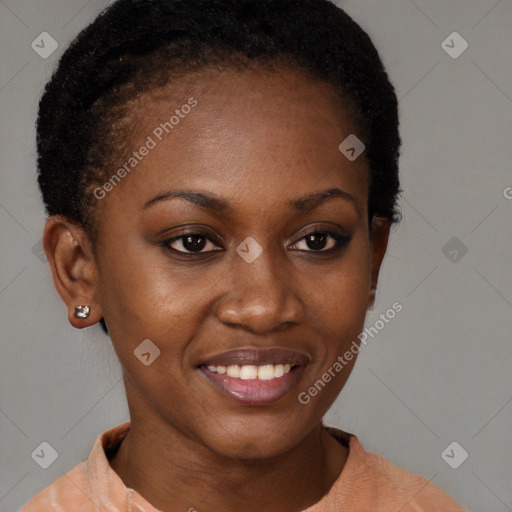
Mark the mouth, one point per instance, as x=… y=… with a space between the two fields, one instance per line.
x=255 y=376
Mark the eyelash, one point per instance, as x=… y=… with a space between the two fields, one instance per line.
x=341 y=240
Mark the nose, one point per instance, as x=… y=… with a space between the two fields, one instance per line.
x=260 y=299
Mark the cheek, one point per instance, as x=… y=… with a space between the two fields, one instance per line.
x=144 y=298
x=340 y=319
x=343 y=296
x=149 y=312
x=339 y=306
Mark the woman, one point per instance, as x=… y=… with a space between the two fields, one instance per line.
x=221 y=178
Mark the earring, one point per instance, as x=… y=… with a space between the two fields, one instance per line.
x=82 y=311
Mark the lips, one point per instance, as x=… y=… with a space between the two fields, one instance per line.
x=255 y=376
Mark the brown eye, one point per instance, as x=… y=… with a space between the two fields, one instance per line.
x=317 y=241
x=322 y=241
x=191 y=243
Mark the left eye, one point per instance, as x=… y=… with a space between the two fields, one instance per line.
x=191 y=243
x=322 y=241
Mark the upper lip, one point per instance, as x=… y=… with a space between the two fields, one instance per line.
x=257 y=357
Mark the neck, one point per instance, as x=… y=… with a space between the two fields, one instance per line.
x=174 y=472
x=173 y=469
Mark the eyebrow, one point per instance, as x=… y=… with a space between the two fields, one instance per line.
x=206 y=201
x=215 y=204
x=312 y=201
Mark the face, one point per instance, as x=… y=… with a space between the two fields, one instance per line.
x=239 y=246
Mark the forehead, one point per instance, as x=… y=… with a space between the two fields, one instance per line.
x=252 y=135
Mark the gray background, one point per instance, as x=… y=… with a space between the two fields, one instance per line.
x=438 y=372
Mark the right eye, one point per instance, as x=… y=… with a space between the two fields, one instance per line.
x=188 y=243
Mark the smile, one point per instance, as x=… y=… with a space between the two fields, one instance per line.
x=255 y=377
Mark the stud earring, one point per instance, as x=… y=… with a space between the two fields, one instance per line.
x=82 y=311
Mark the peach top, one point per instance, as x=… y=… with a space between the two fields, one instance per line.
x=368 y=483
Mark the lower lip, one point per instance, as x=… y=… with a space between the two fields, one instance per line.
x=254 y=391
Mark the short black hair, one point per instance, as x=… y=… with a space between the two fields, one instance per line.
x=135 y=45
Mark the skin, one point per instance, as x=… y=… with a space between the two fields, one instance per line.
x=258 y=140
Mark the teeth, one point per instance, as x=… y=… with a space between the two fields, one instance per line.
x=248 y=372
x=251 y=372
x=233 y=371
x=266 y=372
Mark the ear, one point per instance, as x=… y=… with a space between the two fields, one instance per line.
x=75 y=274
x=379 y=236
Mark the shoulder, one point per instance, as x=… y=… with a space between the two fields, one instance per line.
x=91 y=484
x=73 y=486
x=370 y=482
